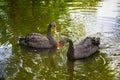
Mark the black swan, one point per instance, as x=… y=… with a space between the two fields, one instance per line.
x=85 y=48
x=36 y=40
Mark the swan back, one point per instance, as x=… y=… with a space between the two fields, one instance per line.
x=86 y=47
x=37 y=40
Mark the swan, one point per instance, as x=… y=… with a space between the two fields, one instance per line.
x=83 y=49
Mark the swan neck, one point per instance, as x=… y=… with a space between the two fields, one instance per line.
x=49 y=36
x=70 y=53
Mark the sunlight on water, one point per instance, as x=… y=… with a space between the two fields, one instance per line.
x=5 y=51
x=109 y=9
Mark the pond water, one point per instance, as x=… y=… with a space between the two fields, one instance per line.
x=75 y=19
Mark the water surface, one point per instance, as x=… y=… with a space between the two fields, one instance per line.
x=75 y=20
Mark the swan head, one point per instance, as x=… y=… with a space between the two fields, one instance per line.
x=53 y=24
x=62 y=42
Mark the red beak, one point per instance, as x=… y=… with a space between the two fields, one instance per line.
x=59 y=45
x=55 y=30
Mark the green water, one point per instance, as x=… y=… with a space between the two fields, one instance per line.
x=75 y=19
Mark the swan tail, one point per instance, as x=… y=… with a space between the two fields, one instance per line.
x=96 y=41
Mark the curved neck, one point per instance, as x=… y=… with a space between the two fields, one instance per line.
x=49 y=36
x=70 y=53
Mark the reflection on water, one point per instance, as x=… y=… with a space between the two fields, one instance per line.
x=82 y=70
x=75 y=19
